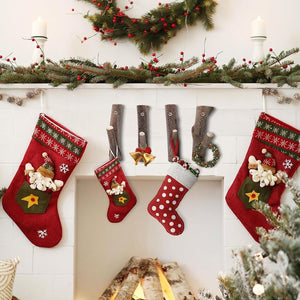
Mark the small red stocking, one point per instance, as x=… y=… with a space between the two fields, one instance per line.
x=31 y=198
x=114 y=182
x=179 y=180
x=274 y=147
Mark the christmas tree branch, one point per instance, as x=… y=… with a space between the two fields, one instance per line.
x=2 y=192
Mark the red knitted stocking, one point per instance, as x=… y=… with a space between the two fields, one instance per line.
x=274 y=147
x=31 y=198
x=114 y=182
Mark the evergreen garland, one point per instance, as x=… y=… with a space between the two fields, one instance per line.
x=2 y=192
x=153 y=29
x=74 y=72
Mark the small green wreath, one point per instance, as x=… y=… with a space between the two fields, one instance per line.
x=211 y=163
x=153 y=29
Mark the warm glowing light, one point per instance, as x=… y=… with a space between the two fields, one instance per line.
x=165 y=286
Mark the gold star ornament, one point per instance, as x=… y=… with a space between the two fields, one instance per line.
x=32 y=200
x=253 y=196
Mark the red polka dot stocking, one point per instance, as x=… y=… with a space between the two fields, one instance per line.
x=114 y=182
x=179 y=180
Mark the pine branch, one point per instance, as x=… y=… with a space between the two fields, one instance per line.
x=2 y=192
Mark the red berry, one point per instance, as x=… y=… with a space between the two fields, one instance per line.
x=215 y=61
x=197 y=8
x=209 y=71
x=162 y=19
x=185 y=13
x=261 y=62
x=126 y=67
x=78 y=77
x=157 y=75
x=159 y=4
x=99 y=4
x=147 y=22
x=110 y=38
x=131 y=2
x=203 y=60
x=165 y=24
x=173 y=25
x=41 y=55
x=130 y=35
x=122 y=21
x=203 y=55
x=33 y=40
x=134 y=21
x=212 y=58
x=38 y=46
x=126 y=7
x=115 y=44
x=72 y=9
x=14 y=58
x=94 y=1
x=183 y=69
x=178 y=70
x=284 y=66
x=118 y=9
x=7 y=59
x=83 y=79
x=85 y=38
x=181 y=59
x=155 y=60
x=155 y=31
x=181 y=53
x=166 y=42
x=249 y=61
x=244 y=59
x=153 y=54
x=36 y=64
x=270 y=49
x=107 y=7
x=167 y=5
x=185 y=85
x=145 y=31
x=96 y=28
x=1 y=56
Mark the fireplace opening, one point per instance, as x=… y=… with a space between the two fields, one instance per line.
x=103 y=248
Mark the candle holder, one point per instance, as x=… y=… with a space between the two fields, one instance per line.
x=258 y=49
x=39 y=35
x=39 y=49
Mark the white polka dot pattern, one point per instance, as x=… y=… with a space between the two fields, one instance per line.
x=166 y=201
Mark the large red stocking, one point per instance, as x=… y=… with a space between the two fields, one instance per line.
x=31 y=198
x=274 y=147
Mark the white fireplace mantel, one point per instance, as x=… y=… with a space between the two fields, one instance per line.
x=86 y=111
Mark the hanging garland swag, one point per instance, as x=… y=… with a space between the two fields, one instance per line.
x=153 y=29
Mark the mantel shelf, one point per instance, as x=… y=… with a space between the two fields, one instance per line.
x=142 y=86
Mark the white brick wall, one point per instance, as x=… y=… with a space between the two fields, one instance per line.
x=48 y=273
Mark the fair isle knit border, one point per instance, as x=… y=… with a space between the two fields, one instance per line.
x=278 y=135
x=58 y=139
x=108 y=168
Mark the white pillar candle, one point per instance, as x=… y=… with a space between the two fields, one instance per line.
x=258 y=27
x=39 y=28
